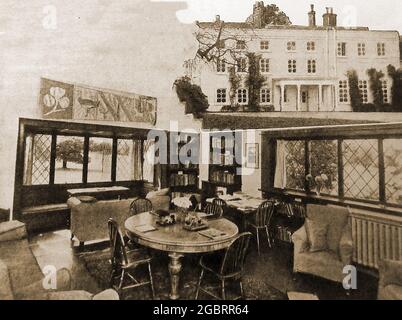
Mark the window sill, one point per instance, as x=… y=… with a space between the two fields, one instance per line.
x=325 y=199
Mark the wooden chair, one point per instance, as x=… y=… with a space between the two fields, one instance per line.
x=124 y=262
x=225 y=265
x=140 y=205
x=213 y=210
x=261 y=220
x=221 y=203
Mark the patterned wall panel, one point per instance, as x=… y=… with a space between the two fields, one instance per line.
x=86 y=103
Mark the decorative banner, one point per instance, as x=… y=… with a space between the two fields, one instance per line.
x=86 y=103
x=56 y=99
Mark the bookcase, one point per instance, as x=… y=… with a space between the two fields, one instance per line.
x=224 y=171
x=183 y=178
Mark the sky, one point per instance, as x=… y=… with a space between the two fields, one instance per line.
x=378 y=14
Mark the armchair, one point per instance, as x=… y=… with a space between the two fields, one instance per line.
x=338 y=250
x=390 y=283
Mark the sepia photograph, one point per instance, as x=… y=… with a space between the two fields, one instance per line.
x=187 y=151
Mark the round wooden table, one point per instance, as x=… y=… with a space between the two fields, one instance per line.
x=177 y=241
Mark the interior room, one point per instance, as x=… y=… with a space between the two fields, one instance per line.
x=130 y=175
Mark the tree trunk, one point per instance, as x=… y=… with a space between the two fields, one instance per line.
x=64 y=164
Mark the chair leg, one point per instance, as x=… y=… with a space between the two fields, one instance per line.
x=223 y=290
x=151 y=281
x=268 y=237
x=199 y=284
x=123 y=273
x=111 y=282
x=258 y=240
x=241 y=289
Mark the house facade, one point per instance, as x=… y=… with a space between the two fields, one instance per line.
x=305 y=67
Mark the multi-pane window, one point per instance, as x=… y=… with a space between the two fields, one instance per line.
x=343 y=91
x=311 y=66
x=264 y=65
x=294 y=151
x=367 y=169
x=126 y=154
x=310 y=46
x=381 y=49
x=291 y=46
x=292 y=66
x=264 y=45
x=221 y=66
x=69 y=159
x=363 y=90
x=385 y=91
x=360 y=169
x=100 y=159
x=393 y=171
x=323 y=160
x=241 y=44
x=242 y=65
x=361 y=49
x=37 y=159
x=341 y=49
x=265 y=95
x=221 y=95
x=242 y=96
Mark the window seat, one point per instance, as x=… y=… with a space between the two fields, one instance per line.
x=44 y=208
x=46 y=217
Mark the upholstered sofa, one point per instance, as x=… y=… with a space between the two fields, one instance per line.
x=21 y=277
x=390 y=283
x=88 y=220
x=336 y=249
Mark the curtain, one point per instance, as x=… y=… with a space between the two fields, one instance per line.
x=28 y=163
x=280 y=170
x=137 y=160
x=149 y=160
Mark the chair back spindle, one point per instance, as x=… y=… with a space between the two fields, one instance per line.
x=140 y=205
x=214 y=210
x=235 y=255
x=264 y=213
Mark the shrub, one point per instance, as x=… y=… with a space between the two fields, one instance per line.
x=196 y=102
x=355 y=97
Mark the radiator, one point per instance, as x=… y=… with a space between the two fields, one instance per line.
x=376 y=237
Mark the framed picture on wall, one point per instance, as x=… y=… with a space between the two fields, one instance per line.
x=252 y=155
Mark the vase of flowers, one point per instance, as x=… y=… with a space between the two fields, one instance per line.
x=320 y=182
x=183 y=205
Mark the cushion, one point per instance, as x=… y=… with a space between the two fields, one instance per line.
x=12 y=230
x=87 y=199
x=108 y=294
x=6 y=292
x=338 y=218
x=158 y=193
x=317 y=235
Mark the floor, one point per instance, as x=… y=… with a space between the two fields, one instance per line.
x=273 y=268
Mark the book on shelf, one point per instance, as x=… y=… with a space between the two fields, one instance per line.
x=224 y=177
x=183 y=179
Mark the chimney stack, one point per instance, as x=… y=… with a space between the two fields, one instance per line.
x=217 y=18
x=311 y=18
x=258 y=14
x=329 y=18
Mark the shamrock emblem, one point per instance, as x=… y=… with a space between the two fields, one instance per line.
x=56 y=99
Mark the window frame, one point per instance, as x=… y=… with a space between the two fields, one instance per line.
x=267 y=64
x=311 y=46
x=84 y=182
x=291 y=46
x=342 y=50
x=311 y=66
x=266 y=94
x=264 y=47
x=381 y=202
x=217 y=94
x=242 y=93
x=292 y=66
x=381 y=49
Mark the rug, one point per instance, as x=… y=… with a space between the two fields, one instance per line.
x=98 y=266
